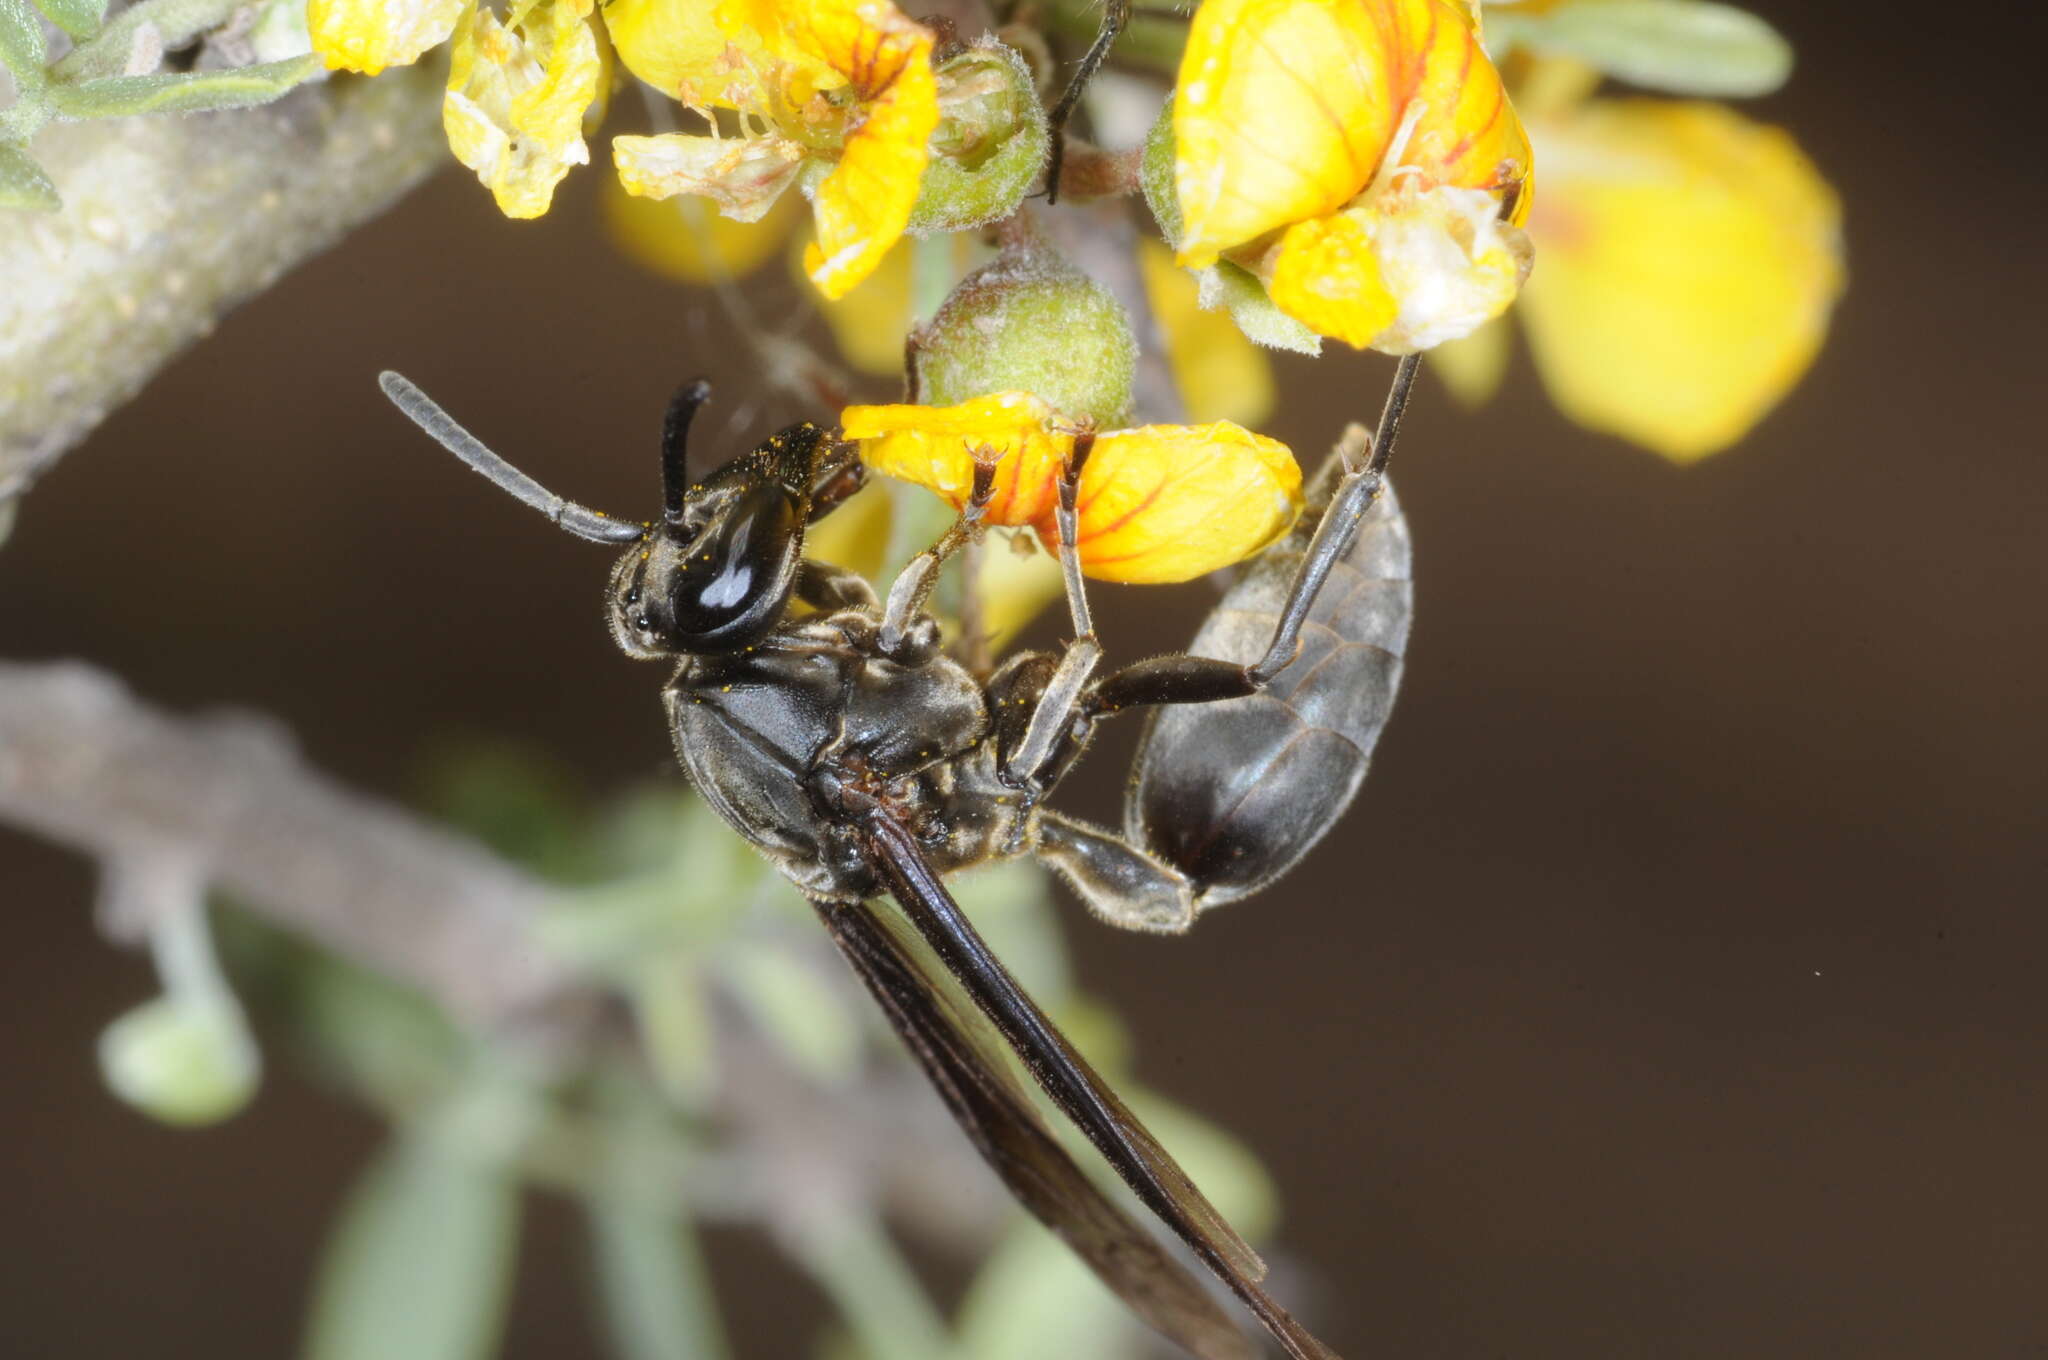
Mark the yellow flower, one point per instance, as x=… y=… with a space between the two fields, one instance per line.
x=517 y=95
x=869 y=322
x=369 y=35
x=1361 y=157
x=845 y=83
x=1691 y=259
x=686 y=239
x=1157 y=504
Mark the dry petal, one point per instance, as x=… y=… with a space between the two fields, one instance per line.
x=369 y=35
x=742 y=175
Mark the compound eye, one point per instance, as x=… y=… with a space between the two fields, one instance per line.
x=738 y=574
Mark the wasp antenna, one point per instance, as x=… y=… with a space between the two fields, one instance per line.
x=675 y=438
x=579 y=520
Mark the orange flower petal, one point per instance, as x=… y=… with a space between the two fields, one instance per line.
x=935 y=447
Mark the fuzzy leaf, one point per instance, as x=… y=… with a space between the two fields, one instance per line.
x=176 y=22
x=181 y=92
x=419 y=1266
x=23 y=183
x=1032 y=1297
x=783 y=996
x=21 y=42
x=1680 y=46
x=1263 y=323
x=79 y=18
x=651 y=1281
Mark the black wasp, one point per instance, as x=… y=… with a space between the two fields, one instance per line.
x=861 y=758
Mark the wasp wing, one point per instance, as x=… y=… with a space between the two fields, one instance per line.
x=1065 y=1075
x=1001 y=1123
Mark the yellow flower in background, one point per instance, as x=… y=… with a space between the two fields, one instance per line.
x=369 y=35
x=1691 y=259
x=870 y=320
x=1361 y=157
x=689 y=240
x=517 y=96
x=1157 y=504
x=841 y=82
x=1220 y=374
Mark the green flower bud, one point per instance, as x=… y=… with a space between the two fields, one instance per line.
x=989 y=146
x=180 y=1060
x=1223 y=284
x=1155 y=176
x=1031 y=322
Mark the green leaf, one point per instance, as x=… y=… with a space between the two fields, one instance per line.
x=874 y=1288
x=1255 y=313
x=1033 y=1298
x=793 y=1006
x=1681 y=46
x=677 y=1029
x=651 y=1282
x=419 y=1266
x=181 y=92
x=21 y=42
x=177 y=22
x=79 y=18
x=23 y=183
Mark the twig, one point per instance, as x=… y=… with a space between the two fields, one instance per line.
x=84 y=764
x=167 y=224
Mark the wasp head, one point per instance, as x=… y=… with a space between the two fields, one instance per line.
x=715 y=573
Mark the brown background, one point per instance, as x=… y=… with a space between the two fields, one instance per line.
x=1675 y=988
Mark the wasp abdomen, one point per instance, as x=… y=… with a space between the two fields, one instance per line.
x=1233 y=794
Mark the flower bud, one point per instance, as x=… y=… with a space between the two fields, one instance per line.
x=180 y=1059
x=990 y=143
x=1031 y=322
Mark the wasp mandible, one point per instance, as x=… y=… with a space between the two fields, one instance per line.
x=862 y=759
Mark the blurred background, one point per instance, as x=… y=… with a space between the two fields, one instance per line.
x=1674 y=987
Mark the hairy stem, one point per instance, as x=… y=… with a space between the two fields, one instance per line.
x=84 y=764
x=168 y=223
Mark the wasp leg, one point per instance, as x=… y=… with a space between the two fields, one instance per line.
x=1115 y=14
x=914 y=582
x=1183 y=679
x=1123 y=885
x=826 y=587
x=1059 y=705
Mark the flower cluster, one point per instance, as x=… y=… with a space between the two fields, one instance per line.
x=844 y=98
x=1157 y=504
x=1357 y=170
x=1360 y=158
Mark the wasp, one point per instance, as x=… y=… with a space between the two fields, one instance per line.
x=847 y=745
